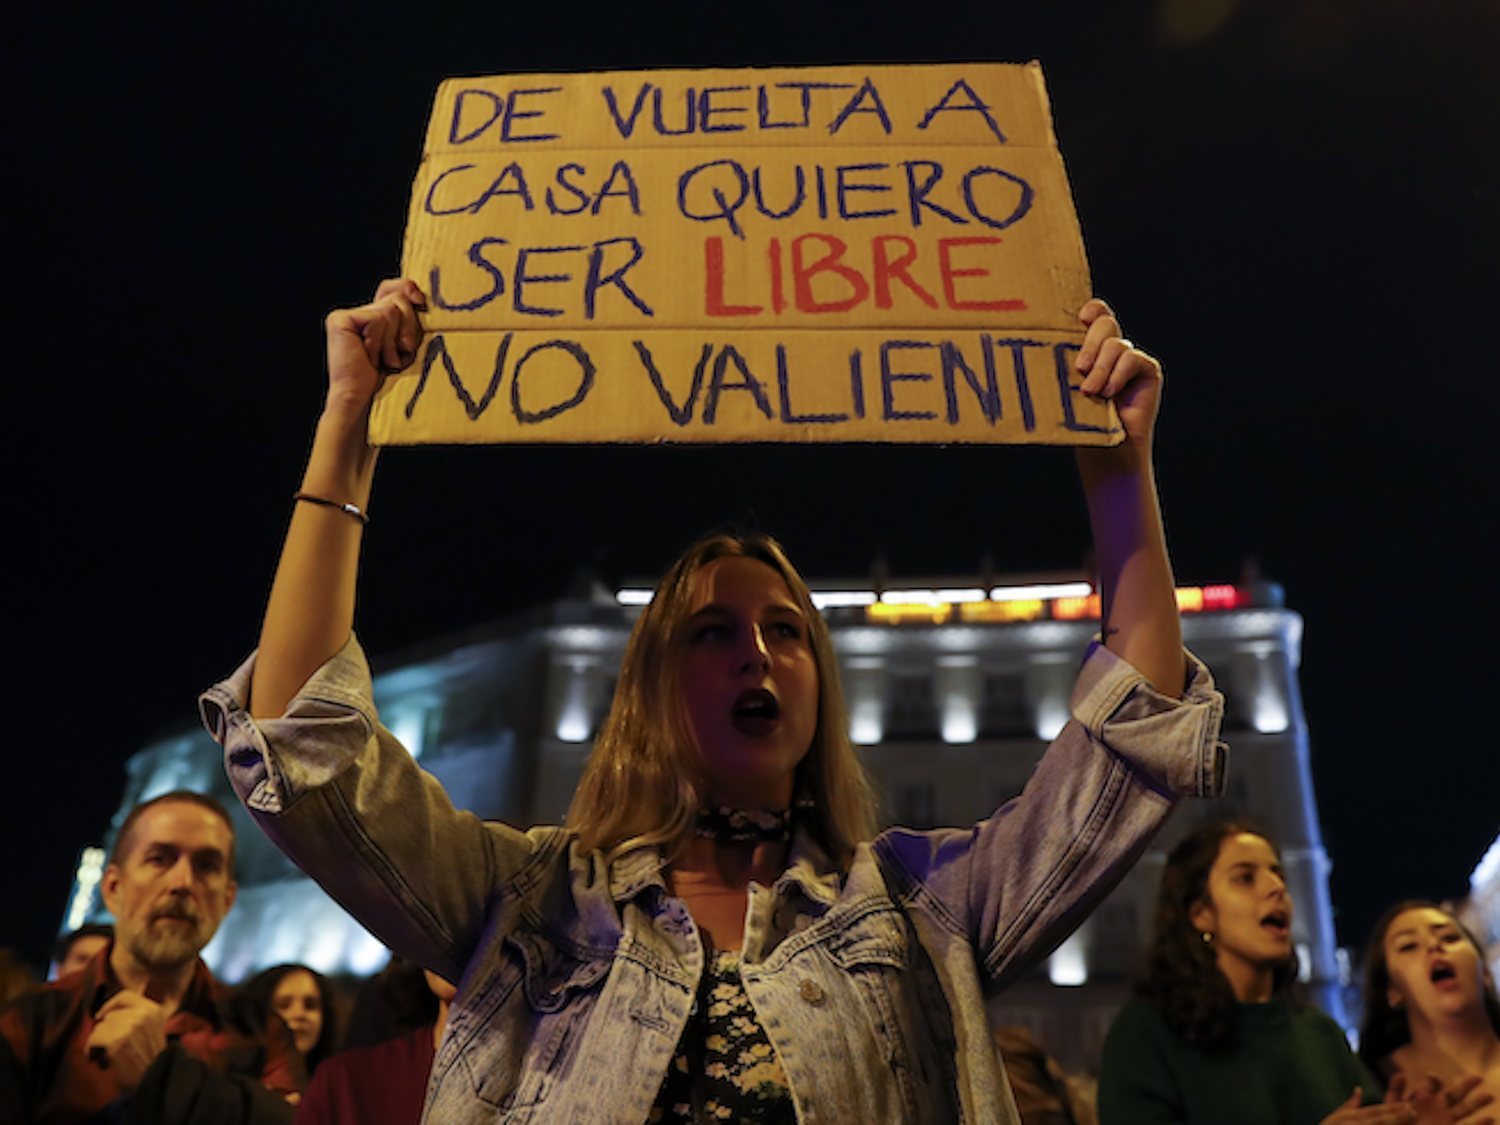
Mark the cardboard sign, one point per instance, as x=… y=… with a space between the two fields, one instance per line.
x=872 y=254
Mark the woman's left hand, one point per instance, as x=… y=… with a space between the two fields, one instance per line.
x=1114 y=368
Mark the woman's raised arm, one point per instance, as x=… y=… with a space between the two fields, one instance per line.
x=311 y=611
x=1138 y=604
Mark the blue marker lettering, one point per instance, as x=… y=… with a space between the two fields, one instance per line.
x=515 y=113
x=585 y=384
x=976 y=104
x=889 y=379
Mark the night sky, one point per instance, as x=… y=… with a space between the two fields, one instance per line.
x=1292 y=203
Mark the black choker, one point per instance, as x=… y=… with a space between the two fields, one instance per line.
x=745 y=826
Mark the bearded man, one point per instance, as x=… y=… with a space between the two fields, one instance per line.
x=144 y=1033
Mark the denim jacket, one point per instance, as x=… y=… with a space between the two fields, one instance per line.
x=576 y=975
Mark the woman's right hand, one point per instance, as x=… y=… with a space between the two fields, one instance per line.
x=311 y=611
x=367 y=343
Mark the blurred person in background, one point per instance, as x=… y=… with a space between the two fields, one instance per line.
x=144 y=1033
x=306 y=1002
x=1430 y=1004
x=77 y=948
x=16 y=976
x=385 y=1084
x=1045 y=1093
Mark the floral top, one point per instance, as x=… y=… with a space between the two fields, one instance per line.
x=724 y=1063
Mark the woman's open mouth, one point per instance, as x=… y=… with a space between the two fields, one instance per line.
x=1443 y=974
x=756 y=713
x=1278 y=923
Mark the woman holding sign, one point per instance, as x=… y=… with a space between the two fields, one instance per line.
x=716 y=934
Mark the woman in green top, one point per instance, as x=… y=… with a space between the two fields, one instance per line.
x=1214 y=1035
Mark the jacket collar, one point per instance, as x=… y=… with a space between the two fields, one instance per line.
x=635 y=871
x=808 y=870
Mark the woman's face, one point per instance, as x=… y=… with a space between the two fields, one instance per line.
x=297 y=1001
x=1249 y=913
x=749 y=682
x=1434 y=969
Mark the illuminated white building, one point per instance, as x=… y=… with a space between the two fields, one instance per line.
x=1481 y=911
x=953 y=691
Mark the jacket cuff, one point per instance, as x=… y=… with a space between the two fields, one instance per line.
x=272 y=762
x=1175 y=741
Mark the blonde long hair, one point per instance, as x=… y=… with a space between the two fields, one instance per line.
x=643 y=783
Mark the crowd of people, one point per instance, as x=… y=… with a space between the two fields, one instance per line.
x=1216 y=1032
x=718 y=933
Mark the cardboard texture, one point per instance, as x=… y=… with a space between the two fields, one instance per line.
x=815 y=254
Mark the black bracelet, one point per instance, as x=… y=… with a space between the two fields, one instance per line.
x=322 y=501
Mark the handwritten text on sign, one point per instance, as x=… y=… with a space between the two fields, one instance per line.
x=826 y=254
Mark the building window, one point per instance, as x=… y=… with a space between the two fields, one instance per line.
x=1003 y=712
x=914 y=805
x=1115 y=938
x=910 y=710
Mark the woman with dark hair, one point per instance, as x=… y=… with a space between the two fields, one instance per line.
x=306 y=1003
x=1214 y=1035
x=714 y=934
x=1430 y=1004
x=384 y=1083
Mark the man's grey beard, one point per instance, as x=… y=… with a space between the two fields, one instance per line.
x=167 y=946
